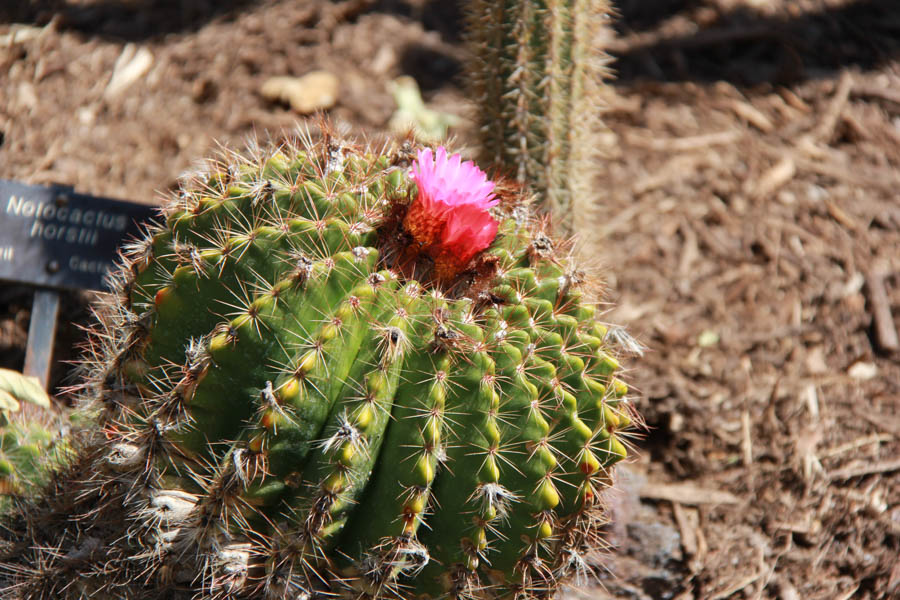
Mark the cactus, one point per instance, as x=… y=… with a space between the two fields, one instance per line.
x=29 y=450
x=31 y=444
x=330 y=373
x=538 y=81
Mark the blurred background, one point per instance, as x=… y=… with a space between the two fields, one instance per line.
x=748 y=236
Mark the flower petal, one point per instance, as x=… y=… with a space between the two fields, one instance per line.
x=451 y=214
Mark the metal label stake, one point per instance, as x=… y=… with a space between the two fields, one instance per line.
x=41 y=333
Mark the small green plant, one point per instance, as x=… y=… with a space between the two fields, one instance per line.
x=538 y=81
x=338 y=371
x=31 y=444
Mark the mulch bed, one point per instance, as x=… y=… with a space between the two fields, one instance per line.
x=749 y=238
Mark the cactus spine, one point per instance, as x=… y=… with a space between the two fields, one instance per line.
x=538 y=82
x=294 y=397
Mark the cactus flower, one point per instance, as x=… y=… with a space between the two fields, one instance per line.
x=450 y=218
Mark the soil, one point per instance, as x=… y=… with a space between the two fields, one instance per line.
x=749 y=238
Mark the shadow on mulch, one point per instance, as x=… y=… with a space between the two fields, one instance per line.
x=133 y=21
x=747 y=48
x=642 y=15
x=140 y=20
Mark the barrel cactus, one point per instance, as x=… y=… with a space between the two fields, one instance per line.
x=335 y=370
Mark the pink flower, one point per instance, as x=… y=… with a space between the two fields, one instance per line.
x=450 y=217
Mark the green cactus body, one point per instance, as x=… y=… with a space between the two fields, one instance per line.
x=538 y=80
x=29 y=450
x=291 y=405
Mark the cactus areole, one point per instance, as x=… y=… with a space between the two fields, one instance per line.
x=337 y=371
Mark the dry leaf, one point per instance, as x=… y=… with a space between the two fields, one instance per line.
x=21 y=388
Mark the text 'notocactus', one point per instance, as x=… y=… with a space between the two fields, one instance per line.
x=335 y=371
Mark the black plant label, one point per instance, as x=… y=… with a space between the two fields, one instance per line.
x=53 y=237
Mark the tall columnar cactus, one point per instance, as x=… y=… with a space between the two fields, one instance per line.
x=538 y=79
x=335 y=371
